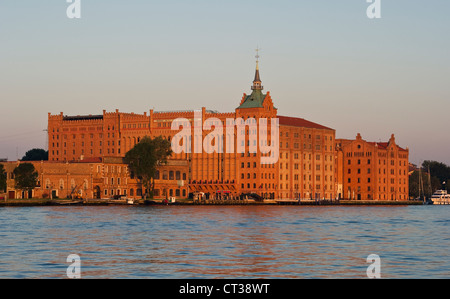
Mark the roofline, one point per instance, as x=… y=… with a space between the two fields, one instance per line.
x=313 y=124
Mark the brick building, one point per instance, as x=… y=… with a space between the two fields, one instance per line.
x=95 y=178
x=74 y=138
x=312 y=163
x=371 y=170
x=306 y=159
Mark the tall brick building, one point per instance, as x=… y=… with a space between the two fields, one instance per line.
x=306 y=159
x=304 y=168
x=312 y=163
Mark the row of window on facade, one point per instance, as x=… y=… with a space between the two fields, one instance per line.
x=157 y=193
x=308 y=187
x=308 y=177
x=263 y=175
x=400 y=171
x=74 y=136
x=248 y=132
x=369 y=161
x=392 y=189
x=256 y=164
x=308 y=136
x=166 y=175
x=308 y=146
x=308 y=156
x=400 y=181
x=135 y=126
x=318 y=167
x=267 y=186
x=170 y=175
x=61 y=184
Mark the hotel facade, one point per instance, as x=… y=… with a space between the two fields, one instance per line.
x=312 y=163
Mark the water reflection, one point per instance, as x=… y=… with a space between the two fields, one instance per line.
x=224 y=242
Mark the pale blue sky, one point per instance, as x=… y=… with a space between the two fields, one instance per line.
x=322 y=60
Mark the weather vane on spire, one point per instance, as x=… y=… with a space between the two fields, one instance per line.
x=257 y=56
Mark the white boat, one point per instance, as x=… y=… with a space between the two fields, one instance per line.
x=441 y=197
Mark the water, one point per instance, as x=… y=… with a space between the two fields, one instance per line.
x=225 y=241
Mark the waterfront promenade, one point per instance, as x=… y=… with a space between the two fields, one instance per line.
x=190 y=202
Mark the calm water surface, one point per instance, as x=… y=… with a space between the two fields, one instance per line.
x=225 y=241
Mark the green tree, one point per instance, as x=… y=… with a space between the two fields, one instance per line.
x=36 y=154
x=25 y=176
x=144 y=158
x=437 y=169
x=2 y=178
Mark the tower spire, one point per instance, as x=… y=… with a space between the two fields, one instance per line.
x=257 y=81
x=257 y=58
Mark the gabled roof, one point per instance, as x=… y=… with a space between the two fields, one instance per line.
x=254 y=100
x=300 y=122
x=382 y=145
x=379 y=145
x=385 y=145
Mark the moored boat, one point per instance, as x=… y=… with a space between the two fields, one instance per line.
x=440 y=197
